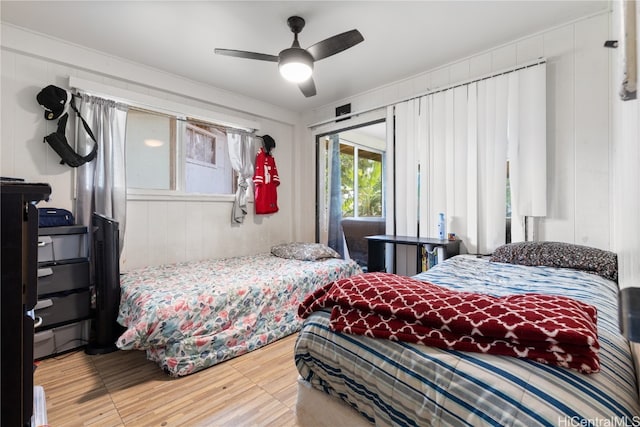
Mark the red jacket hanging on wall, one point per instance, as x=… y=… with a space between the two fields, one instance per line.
x=266 y=180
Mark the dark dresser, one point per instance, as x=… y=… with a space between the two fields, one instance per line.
x=63 y=309
x=19 y=270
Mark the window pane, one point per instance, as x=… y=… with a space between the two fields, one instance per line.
x=148 y=150
x=207 y=166
x=201 y=146
x=369 y=183
x=346 y=180
x=152 y=160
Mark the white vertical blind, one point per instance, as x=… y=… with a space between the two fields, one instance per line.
x=407 y=150
x=532 y=141
x=426 y=170
x=492 y=162
x=434 y=198
x=513 y=132
x=471 y=239
x=390 y=187
x=460 y=139
x=458 y=218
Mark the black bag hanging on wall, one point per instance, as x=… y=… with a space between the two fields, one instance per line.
x=54 y=100
x=58 y=141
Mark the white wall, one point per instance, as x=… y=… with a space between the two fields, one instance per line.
x=174 y=230
x=579 y=198
x=160 y=229
x=625 y=119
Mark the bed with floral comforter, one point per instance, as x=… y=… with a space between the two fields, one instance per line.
x=190 y=316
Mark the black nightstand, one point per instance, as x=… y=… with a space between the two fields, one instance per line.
x=376 y=244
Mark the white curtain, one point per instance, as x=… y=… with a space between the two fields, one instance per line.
x=101 y=183
x=532 y=142
x=459 y=140
x=389 y=182
x=242 y=154
x=492 y=162
x=410 y=128
x=472 y=211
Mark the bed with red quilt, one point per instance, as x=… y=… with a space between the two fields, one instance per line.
x=471 y=342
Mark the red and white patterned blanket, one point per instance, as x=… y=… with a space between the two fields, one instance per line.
x=549 y=329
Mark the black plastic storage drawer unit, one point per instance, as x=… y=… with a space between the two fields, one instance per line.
x=63 y=310
x=62 y=244
x=61 y=338
x=62 y=277
x=57 y=309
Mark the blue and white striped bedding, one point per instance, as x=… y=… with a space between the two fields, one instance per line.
x=395 y=383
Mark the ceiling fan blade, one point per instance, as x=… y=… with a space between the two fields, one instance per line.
x=335 y=44
x=308 y=87
x=247 y=55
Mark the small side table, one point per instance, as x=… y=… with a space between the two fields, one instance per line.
x=376 y=251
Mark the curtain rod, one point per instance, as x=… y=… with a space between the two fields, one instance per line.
x=538 y=61
x=220 y=127
x=160 y=105
x=173 y=115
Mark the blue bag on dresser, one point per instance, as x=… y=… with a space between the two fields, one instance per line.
x=54 y=217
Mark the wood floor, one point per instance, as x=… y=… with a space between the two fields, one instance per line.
x=125 y=389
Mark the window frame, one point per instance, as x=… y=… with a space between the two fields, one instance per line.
x=181 y=112
x=178 y=160
x=319 y=135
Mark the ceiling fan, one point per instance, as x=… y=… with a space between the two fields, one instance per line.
x=296 y=63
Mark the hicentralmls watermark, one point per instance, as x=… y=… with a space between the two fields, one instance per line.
x=599 y=422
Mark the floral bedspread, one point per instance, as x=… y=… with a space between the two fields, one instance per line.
x=190 y=316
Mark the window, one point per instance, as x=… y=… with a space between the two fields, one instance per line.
x=167 y=153
x=207 y=166
x=361 y=181
x=201 y=146
x=150 y=146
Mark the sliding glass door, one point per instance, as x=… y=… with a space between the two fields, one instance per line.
x=350 y=179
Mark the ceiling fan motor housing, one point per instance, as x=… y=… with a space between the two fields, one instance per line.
x=296 y=24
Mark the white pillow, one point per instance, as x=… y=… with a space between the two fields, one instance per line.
x=304 y=251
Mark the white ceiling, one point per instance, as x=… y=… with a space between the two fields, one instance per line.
x=402 y=39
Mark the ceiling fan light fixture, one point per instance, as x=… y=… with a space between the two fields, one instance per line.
x=295 y=72
x=295 y=65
